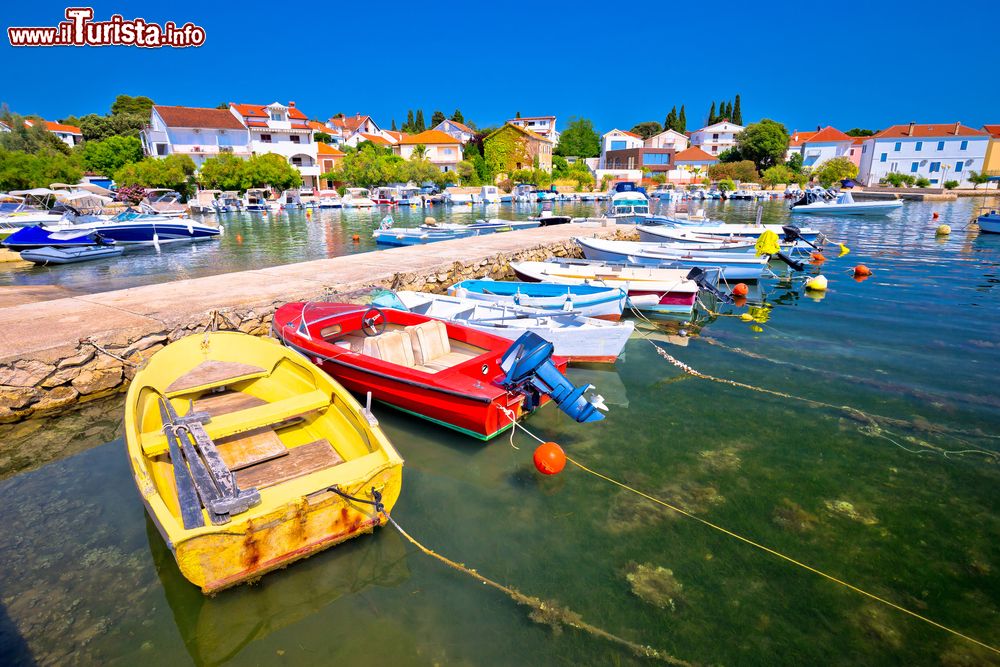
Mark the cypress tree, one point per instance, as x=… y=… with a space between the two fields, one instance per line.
x=711 y=115
x=437 y=118
x=393 y=124
x=682 y=121
x=459 y=118
x=737 y=112
x=409 y=121
x=419 y=123
x=671 y=122
x=517 y=115
x=729 y=110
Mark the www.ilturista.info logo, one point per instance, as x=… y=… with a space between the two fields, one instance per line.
x=79 y=29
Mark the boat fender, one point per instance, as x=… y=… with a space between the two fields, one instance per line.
x=817 y=283
x=190 y=229
x=528 y=368
x=943 y=230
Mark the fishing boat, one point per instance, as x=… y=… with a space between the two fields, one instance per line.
x=629 y=204
x=523 y=193
x=575 y=337
x=483 y=226
x=661 y=291
x=248 y=457
x=469 y=380
x=205 y=202
x=734 y=266
x=129 y=227
x=590 y=301
x=49 y=255
x=357 y=198
x=387 y=196
x=489 y=195
x=546 y=219
x=406 y=236
x=842 y=203
x=660 y=233
x=989 y=221
x=255 y=201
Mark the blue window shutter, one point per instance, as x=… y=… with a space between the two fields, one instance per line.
x=959 y=165
x=882 y=157
x=920 y=145
x=940 y=145
x=965 y=144
x=899 y=144
x=913 y=166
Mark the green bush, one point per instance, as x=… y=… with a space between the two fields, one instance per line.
x=950 y=185
x=922 y=182
x=897 y=180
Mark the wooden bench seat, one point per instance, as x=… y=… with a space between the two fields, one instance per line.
x=210 y=374
x=299 y=461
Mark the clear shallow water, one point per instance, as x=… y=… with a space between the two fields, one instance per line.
x=86 y=580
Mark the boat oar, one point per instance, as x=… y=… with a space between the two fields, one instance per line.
x=187 y=495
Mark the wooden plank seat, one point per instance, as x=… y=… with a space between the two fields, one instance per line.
x=299 y=461
x=225 y=402
x=210 y=374
x=241 y=451
x=154 y=443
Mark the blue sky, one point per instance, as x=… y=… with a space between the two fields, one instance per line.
x=847 y=65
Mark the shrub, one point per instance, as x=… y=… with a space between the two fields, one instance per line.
x=950 y=185
x=922 y=182
x=726 y=185
x=897 y=180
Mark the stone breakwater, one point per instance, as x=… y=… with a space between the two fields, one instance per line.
x=58 y=353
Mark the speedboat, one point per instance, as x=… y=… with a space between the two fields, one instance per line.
x=165 y=202
x=489 y=195
x=411 y=197
x=734 y=266
x=989 y=221
x=206 y=202
x=524 y=192
x=248 y=457
x=575 y=337
x=456 y=376
x=629 y=204
x=605 y=303
x=357 y=198
x=329 y=199
x=127 y=228
x=404 y=236
x=662 y=233
x=843 y=204
x=387 y=196
x=256 y=201
x=23 y=208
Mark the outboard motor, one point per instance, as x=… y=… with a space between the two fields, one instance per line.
x=792 y=234
x=705 y=283
x=530 y=371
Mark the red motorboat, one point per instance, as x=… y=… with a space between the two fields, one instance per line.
x=453 y=375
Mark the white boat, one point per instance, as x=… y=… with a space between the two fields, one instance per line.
x=459 y=198
x=205 y=202
x=989 y=221
x=483 y=226
x=843 y=204
x=255 y=200
x=23 y=208
x=524 y=192
x=357 y=198
x=292 y=199
x=165 y=202
x=489 y=194
x=661 y=232
x=578 y=338
x=50 y=255
x=684 y=238
x=411 y=197
x=734 y=266
x=329 y=199
x=605 y=303
x=628 y=204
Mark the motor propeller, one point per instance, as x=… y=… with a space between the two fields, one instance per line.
x=705 y=283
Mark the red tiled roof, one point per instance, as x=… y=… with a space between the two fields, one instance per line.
x=260 y=111
x=350 y=123
x=327 y=149
x=59 y=127
x=429 y=137
x=631 y=134
x=992 y=130
x=936 y=130
x=857 y=141
x=826 y=135
x=799 y=138
x=375 y=139
x=216 y=119
x=394 y=134
x=694 y=154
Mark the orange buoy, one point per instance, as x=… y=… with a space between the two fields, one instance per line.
x=862 y=270
x=356 y=238
x=239 y=238
x=550 y=459
x=740 y=289
x=818 y=257
x=935 y=215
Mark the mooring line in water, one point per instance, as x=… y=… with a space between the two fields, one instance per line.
x=782 y=556
x=547 y=613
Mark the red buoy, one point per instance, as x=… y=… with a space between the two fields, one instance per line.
x=356 y=238
x=862 y=270
x=817 y=258
x=935 y=216
x=740 y=289
x=550 y=459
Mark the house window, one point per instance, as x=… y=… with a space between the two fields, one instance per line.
x=715 y=137
x=864 y=148
x=656 y=158
x=297 y=161
x=882 y=157
x=617 y=145
x=161 y=149
x=266 y=138
x=965 y=144
x=446 y=151
x=899 y=144
x=940 y=145
x=913 y=167
x=935 y=167
x=920 y=145
x=276 y=115
x=631 y=162
x=959 y=165
x=295 y=138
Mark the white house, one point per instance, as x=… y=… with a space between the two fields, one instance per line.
x=282 y=130
x=824 y=145
x=618 y=140
x=668 y=139
x=541 y=125
x=717 y=138
x=939 y=152
x=460 y=131
x=68 y=134
x=691 y=165
x=196 y=132
x=357 y=128
x=442 y=150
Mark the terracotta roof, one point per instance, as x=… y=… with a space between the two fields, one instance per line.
x=375 y=139
x=429 y=137
x=694 y=154
x=59 y=127
x=216 y=119
x=524 y=131
x=828 y=134
x=799 y=138
x=631 y=134
x=327 y=149
x=857 y=141
x=394 y=134
x=348 y=122
x=260 y=111
x=936 y=130
x=992 y=130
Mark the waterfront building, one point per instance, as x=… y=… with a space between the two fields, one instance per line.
x=440 y=149
x=854 y=153
x=795 y=141
x=626 y=150
x=358 y=128
x=673 y=139
x=197 y=132
x=939 y=152
x=529 y=149
x=691 y=165
x=825 y=144
x=457 y=130
x=543 y=126
x=68 y=134
x=717 y=138
x=282 y=130
x=329 y=158
x=336 y=136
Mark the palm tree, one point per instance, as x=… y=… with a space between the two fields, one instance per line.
x=420 y=151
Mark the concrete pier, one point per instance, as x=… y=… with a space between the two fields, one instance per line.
x=58 y=353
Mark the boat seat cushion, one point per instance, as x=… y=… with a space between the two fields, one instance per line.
x=429 y=341
x=391 y=346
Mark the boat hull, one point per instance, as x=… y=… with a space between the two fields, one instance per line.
x=127 y=233
x=603 y=303
x=989 y=224
x=49 y=255
x=734 y=267
x=857 y=208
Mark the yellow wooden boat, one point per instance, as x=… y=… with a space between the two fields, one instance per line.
x=248 y=457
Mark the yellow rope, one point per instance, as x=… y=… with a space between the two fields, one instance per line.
x=546 y=612
x=781 y=555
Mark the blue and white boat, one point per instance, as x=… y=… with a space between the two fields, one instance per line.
x=989 y=221
x=483 y=226
x=734 y=266
x=127 y=228
x=629 y=204
x=842 y=203
x=660 y=233
x=588 y=300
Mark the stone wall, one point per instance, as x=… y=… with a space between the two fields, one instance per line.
x=92 y=368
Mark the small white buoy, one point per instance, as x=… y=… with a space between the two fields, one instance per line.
x=817 y=283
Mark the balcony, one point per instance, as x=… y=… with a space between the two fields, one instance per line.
x=210 y=150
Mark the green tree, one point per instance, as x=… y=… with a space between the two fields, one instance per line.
x=393 y=125
x=730 y=155
x=681 y=121
x=22 y=171
x=579 y=139
x=323 y=137
x=108 y=156
x=517 y=115
x=174 y=172
x=271 y=170
x=859 y=132
x=419 y=122
x=977 y=179
x=225 y=172
x=835 y=169
x=647 y=129
x=671 y=121
x=766 y=143
x=560 y=167
x=744 y=171
x=35 y=139
x=466 y=172
x=711 y=114
x=727 y=185
x=737 y=112
x=458 y=117
x=409 y=122
x=795 y=162
x=99 y=128
x=779 y=174
x=437 y=118
x=125 y=104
